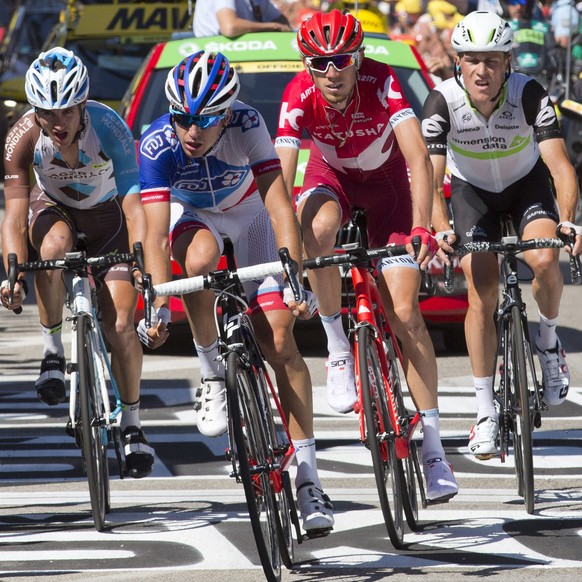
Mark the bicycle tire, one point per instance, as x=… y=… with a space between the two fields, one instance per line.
x=94 y=441
x=380 y=436
x=409 y=468
x=252 y=458
x=522 y=428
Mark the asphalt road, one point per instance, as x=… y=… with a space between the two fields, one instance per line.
x=187 y=522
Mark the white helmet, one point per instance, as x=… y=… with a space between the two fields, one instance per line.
x=57 y=79
x=482 y=32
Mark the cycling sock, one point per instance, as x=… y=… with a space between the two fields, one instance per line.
x=210 y=367
x=53 y=340
x=306 y=462
x=337 y=340
x=431 y=439
x=484 y=395
x=130 y=415
x=547 y=337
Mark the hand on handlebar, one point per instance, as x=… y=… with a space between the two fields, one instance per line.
x=428 y=248
x=569 y=232
x=304 y=309
x=18 y=296
x=158 y=333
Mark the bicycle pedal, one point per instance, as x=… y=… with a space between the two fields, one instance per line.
x=317 y=533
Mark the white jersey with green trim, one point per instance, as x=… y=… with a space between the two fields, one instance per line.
x=490 y=153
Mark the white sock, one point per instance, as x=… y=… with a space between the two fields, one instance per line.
x=306 y=462
x=484 y=394
x=53 y=340
x=210 y=366
x=337 y=341
x=130 y=415
x=431 y=439
x=547 y=337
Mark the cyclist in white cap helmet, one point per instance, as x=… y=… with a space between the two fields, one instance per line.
x=493 y=127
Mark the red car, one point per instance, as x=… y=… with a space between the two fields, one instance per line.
x=266 y=62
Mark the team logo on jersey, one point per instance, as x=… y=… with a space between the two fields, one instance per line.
x=246 y=119
x=546 y=114
x=466 y=117
x=431 y=126
x=289 y=116
x=156 y=143
x=507 y=115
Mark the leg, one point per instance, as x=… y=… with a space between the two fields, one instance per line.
x=547 y=287
x=117 y=301
x=400 y=288
x=320 y=217
x=482 y=275
x=197 y=253
x=274 y=331
x=52 y=237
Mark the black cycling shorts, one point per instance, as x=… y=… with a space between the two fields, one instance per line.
x=477 y=213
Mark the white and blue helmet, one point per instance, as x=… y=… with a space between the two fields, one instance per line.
x=57 y=79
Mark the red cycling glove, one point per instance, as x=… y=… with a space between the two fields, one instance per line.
x=426 y=238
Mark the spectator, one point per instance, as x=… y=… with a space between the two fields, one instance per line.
x=564 y=19
x=235 y=17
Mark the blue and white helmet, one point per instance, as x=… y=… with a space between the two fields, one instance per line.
x=482 y=32
x=202 y=84
x=57 y=79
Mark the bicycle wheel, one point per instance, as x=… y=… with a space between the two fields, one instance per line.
x=409 y=468
x=93 y=429
x=380 y=436
x=522 y=427
x=248 y=433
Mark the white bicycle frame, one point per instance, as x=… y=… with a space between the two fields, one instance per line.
x=80 y=301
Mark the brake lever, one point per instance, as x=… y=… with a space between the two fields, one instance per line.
x=12 y=274
x=290 y=268
x=427 y=281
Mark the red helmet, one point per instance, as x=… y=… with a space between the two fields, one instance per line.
x=329 y=33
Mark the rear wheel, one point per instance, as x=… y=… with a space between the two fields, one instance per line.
x=253 y=463
x=522 y=427
x=380 y=436
x=93 y=427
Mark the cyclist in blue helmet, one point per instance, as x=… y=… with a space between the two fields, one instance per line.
x=208 y=169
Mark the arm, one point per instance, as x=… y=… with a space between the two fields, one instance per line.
x=135 y=218
x=231 y=25
x=555 y=156
x=289 y=157
x=285 y=225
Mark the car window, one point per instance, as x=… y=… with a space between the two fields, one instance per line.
x=414 y=86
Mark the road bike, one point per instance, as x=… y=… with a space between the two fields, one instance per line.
x=386 y=426
x=260 y=447
x=93 y=415
x=518 y=393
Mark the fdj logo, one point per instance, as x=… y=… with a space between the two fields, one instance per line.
x=166 y=18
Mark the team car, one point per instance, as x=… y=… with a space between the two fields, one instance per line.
x=266 y=62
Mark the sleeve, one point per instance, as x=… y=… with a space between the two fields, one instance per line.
x=118 y=143
x=436 y=123
x=155 y=163
x=291 y=116
x=256 y=141
x=395 y=101
x=539 y=112
x=18 y=157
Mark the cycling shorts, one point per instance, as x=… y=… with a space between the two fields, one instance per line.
x=249 y=228
x=103 y=225
x=477 y=213
x=386 y=197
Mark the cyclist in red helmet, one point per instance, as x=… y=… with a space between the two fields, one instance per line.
x=364 y=134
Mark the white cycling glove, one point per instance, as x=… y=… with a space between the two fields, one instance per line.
x=162 y=314
x=307 y=297
x=443 y=234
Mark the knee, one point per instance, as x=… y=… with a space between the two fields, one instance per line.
x=55 y=247
x=281 y=349
x=200 y=263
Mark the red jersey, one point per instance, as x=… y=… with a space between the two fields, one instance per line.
x=358 y=141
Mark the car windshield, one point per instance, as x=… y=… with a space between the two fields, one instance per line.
x=111 y=65
x=265 y=96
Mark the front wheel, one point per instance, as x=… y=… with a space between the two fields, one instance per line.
x=380 y=435
x=253 y=462
x=520 y=399
x=93 y=427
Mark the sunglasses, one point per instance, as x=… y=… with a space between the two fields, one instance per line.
x=186 y=120
x=516 y=2
x=339 y=62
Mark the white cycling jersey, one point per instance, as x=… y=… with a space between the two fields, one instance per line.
x=490 y=153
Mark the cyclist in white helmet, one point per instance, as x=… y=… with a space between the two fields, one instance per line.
x=493 y=127
x=208 y=169
x=87 y=181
